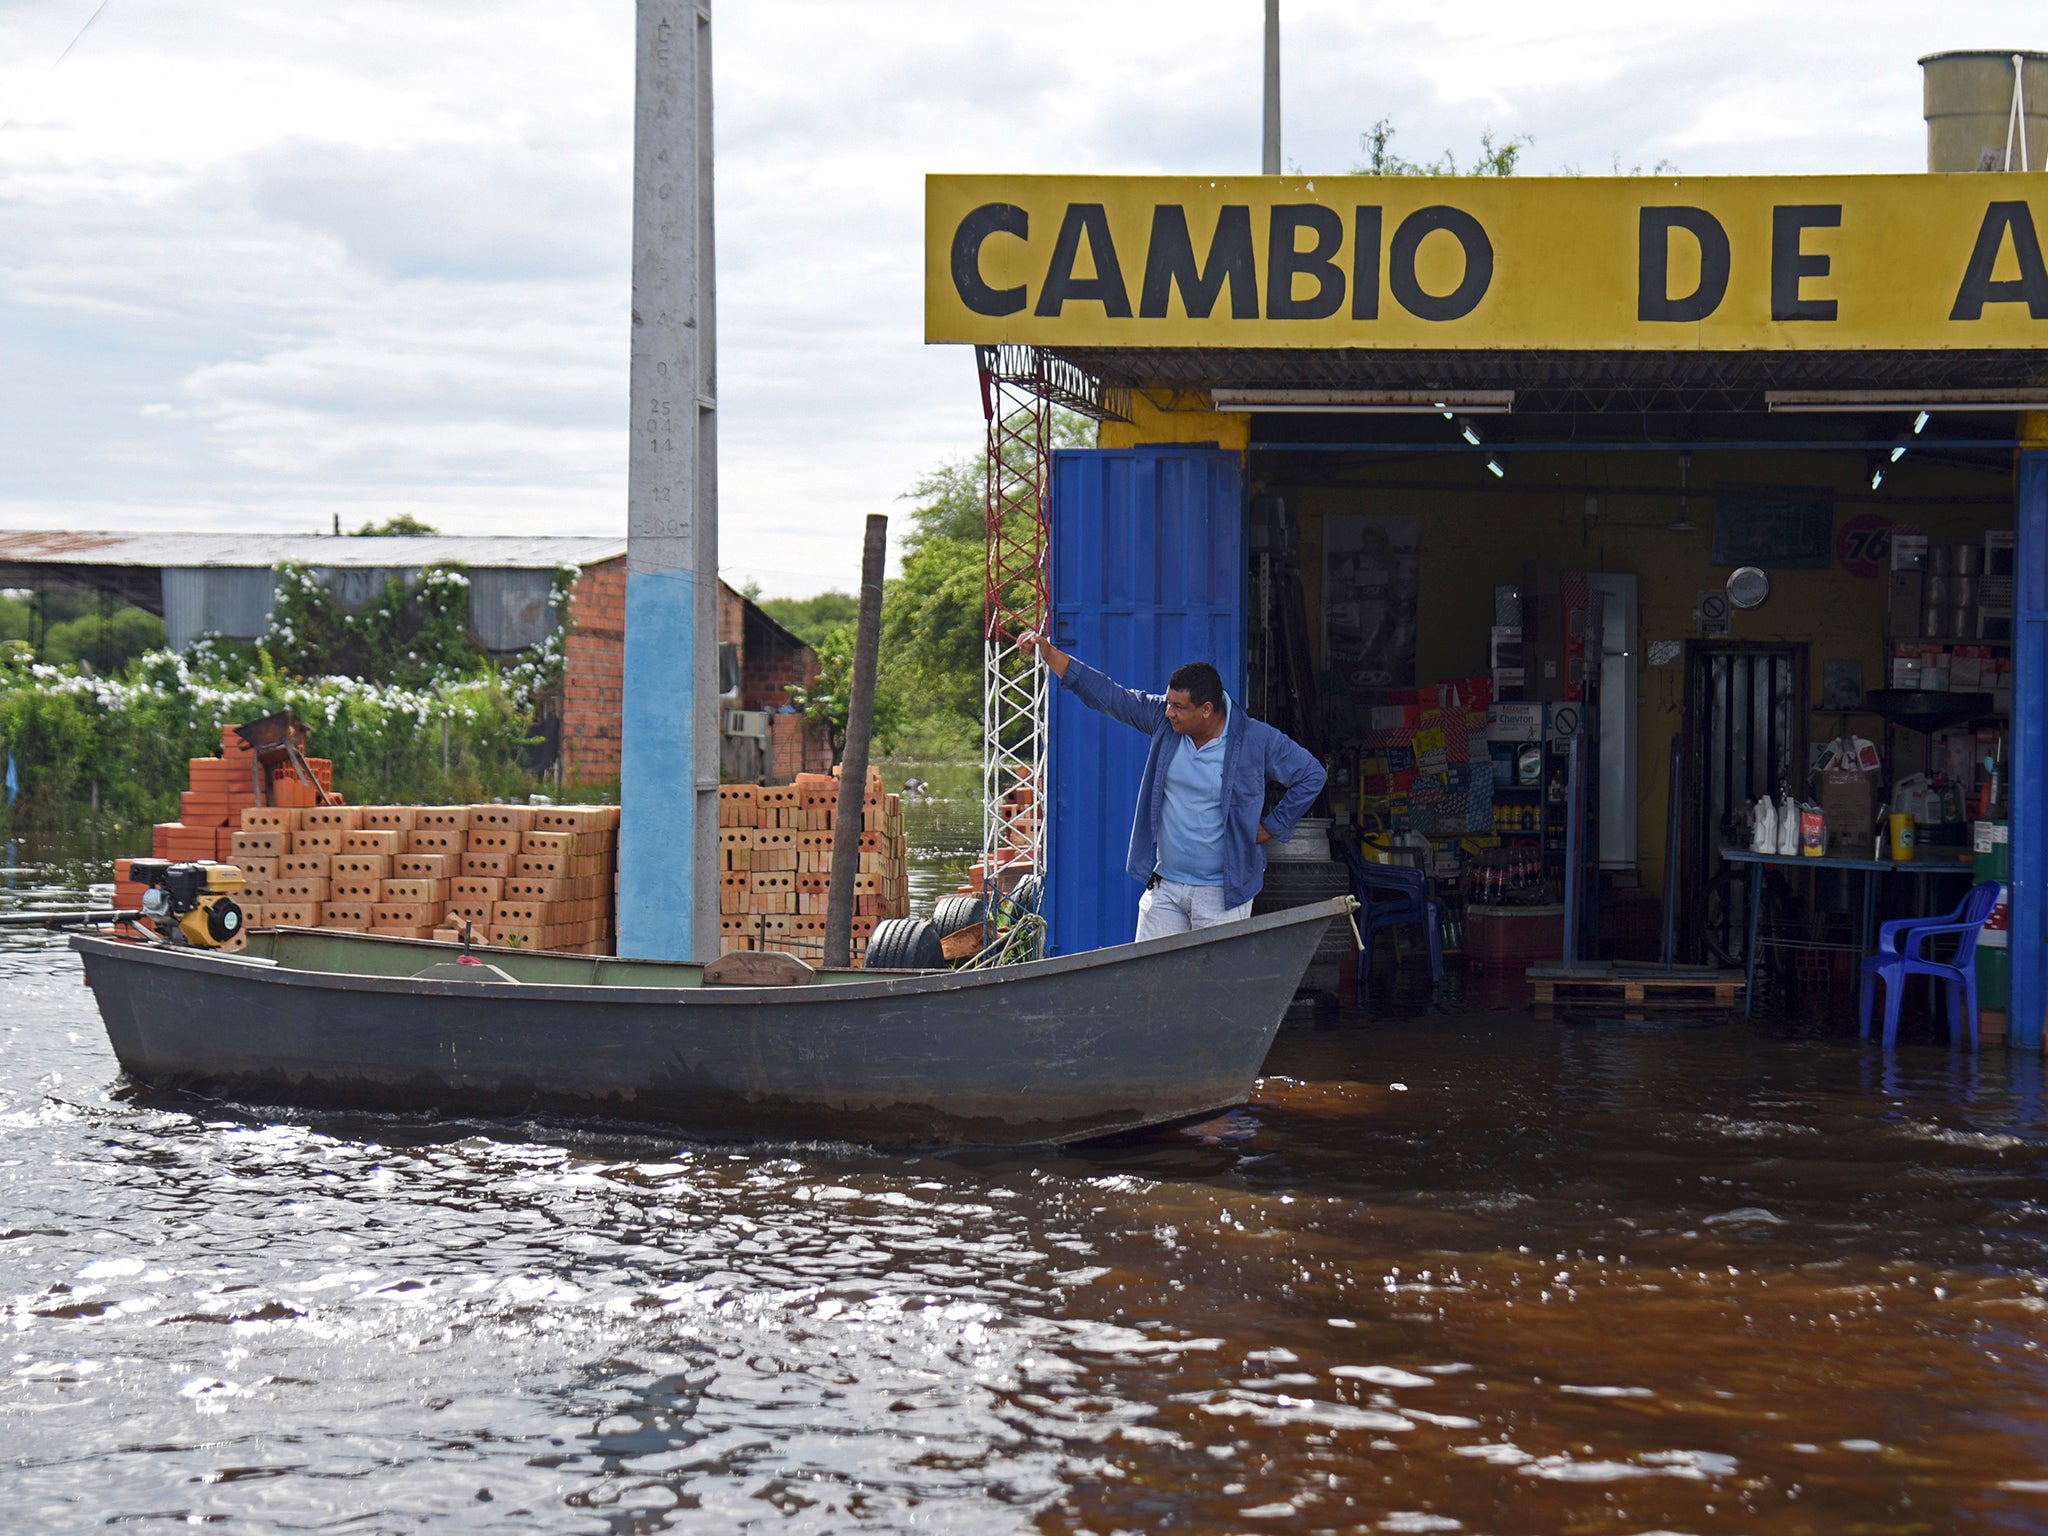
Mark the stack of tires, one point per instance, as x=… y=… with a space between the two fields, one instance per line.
x=920 y=944
x=1298 y=873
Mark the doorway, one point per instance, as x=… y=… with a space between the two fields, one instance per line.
x=1745 y=737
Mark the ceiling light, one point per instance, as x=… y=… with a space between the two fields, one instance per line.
x=1920 y=423
x=1470 y=433
x=1877 y=477
x=1898 y=453
x=1366 y=402
x=1494 y=464
x=1918 y=400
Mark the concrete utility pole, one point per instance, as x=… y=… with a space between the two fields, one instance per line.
x=1270 y=163
x=668 y=771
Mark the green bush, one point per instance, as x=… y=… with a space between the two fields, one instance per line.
x=127 y=740
x=107 y=641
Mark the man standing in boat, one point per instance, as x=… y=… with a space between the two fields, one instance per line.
x=1197 y=839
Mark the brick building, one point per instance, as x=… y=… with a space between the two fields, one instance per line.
x=758 y=661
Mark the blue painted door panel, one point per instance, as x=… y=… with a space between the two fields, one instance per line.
x=2028 y=794
x=1147 y=573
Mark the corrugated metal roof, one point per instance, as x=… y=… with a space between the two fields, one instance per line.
x=251 y=550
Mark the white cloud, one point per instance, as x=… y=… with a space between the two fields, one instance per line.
x=262 y=264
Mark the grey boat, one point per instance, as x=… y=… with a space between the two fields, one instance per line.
x=1055 y=1050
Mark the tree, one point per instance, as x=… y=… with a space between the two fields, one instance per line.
x=932 y=614
x=828 y=698
x=109 y=642
x=403 y=526
x=810 y=619
x=1494 y=159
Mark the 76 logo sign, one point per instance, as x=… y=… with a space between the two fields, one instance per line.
x=1864 y=546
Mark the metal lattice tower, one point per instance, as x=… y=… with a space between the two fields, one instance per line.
x=1019 y=598
x=1020 y=386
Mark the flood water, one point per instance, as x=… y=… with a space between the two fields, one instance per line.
x=1461 y=1271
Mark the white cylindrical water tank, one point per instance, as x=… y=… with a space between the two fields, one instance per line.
x=1968 y=97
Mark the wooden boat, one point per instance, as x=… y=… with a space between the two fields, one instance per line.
x=1051 y=1051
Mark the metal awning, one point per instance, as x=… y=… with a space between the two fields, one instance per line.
x=1550 y=382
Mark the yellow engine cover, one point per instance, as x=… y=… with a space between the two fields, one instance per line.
x=223 y=879
x=216 y=923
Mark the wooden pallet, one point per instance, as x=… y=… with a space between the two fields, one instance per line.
x=1656 y=989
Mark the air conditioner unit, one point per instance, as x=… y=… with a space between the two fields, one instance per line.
x=747 y=722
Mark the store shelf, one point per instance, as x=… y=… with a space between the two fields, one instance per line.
x=1928 y=710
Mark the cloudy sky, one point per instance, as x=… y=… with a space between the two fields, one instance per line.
x=266 y=264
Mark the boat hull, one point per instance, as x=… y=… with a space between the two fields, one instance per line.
x=1058 y=1050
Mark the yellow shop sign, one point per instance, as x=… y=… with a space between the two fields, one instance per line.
x=1822 y=263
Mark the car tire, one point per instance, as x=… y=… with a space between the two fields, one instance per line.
x=952 y=913
x=905 y=944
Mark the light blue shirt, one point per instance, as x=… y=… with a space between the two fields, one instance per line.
x=1191 y=822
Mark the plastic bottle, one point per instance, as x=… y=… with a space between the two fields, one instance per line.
x=1788 y=826
x=1764 y=839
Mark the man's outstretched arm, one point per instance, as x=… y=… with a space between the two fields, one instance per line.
x=1140 y=711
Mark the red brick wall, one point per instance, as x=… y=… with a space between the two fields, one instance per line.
x=593 y=684
x=594 y=679
x=732 y=610
x=770 y=664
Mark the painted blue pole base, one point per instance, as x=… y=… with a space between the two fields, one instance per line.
x=657 y=774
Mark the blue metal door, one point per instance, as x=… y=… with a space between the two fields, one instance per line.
x=1147 y=573
x=2028 y=792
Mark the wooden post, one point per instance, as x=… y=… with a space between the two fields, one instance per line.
x=853 y=763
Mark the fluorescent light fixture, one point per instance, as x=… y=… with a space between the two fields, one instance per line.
x=1898 y=453
x=1366 y=402
x=1920 y=423
x=1494 y=464
x=1921 y=401
x=1468 y=432
x=1877 y=477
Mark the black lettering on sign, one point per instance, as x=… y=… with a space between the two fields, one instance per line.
x=1654 y=298
x=1365 y=263
x=1407 y=288
x=2029 y=288
x=1790 y=265
x=1170 y=260
x=988 y=219
x=1106 y=287
x=1284 y=262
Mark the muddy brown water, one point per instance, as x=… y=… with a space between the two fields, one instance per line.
x=1448 y=1271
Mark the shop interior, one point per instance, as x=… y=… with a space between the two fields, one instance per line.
x=1557 y=657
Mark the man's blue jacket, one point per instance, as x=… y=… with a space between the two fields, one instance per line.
x=1253 y=752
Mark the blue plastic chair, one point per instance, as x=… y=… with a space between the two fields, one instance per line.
x=1391 y=896
x=1900 y=953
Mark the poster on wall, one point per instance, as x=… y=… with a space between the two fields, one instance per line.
x=1369 y=584
x=1775 y=526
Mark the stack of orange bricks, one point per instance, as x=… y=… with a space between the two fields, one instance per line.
x=775 y=864
x=1013 y=855
x=529 y=877
x=219 y=790
x=539 y=877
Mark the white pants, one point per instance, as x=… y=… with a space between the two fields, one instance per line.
x=1170 y=907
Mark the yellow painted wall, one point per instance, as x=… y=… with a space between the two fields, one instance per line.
x=1477 y=534
x=1176 y=416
